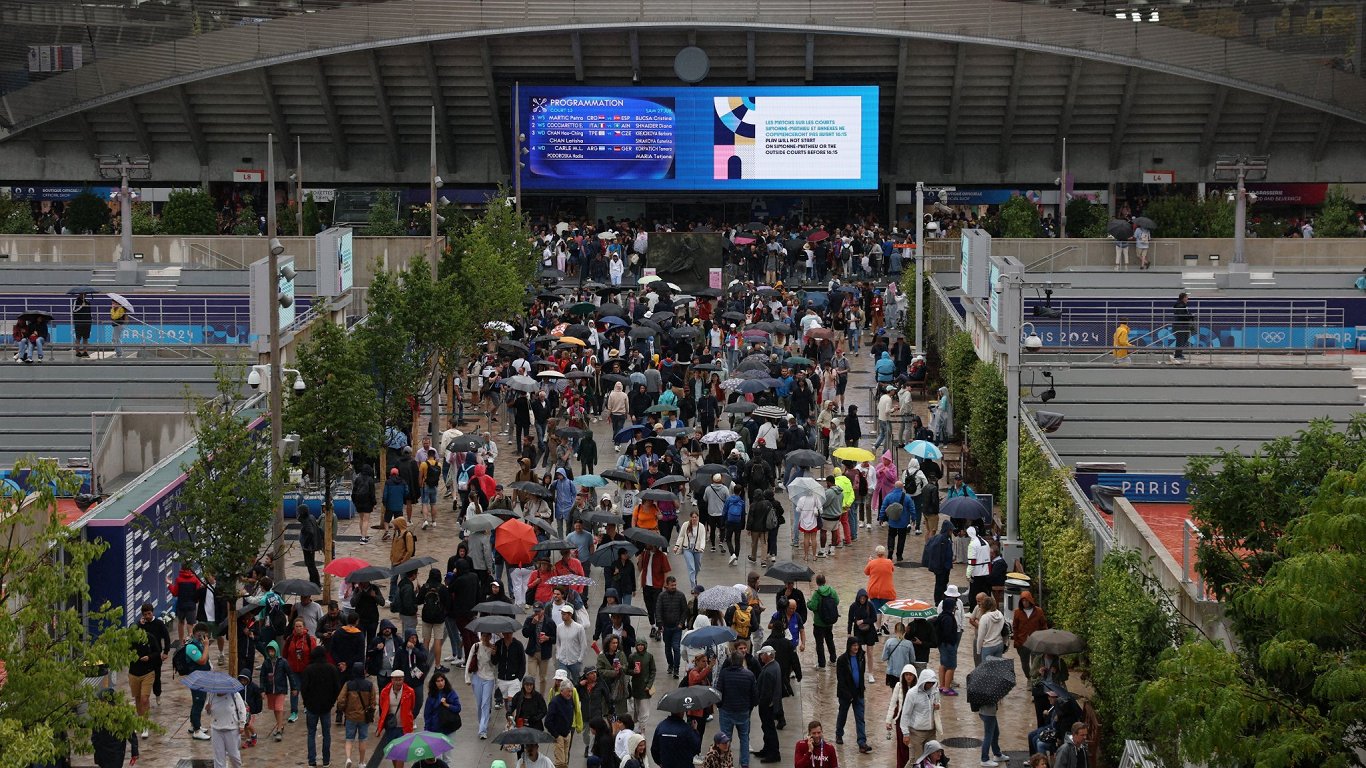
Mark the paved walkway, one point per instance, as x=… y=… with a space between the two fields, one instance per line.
x=814 y=696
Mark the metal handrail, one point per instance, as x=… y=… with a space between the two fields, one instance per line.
x=214 y=256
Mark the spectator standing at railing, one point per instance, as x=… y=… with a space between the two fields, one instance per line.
x=81 y=318
x=1183 y=322
x=118 y=317
x=1121 y=341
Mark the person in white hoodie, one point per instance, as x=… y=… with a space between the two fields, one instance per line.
x=917 y=721
x=979 y=564
x=990 y=641
x=227 y=716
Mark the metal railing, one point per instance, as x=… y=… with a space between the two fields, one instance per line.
x=1166 y=253
x=1289 y=327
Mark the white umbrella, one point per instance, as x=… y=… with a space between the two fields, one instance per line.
x=804 y=486
x=498 y=325
x=121 y=301
x=646 y=280
x=720 y=437
x=550 y=375
x=561 y=228
x=608 y=235
x=523 y=384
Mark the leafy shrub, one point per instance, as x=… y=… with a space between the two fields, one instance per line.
x=189 y=212
x=383 y=220
x=986 y=425
x=87 y=214
x=1020 y=218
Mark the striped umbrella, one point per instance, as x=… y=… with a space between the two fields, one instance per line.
x=909 y=608
x=417 y=746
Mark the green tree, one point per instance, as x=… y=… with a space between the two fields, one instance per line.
x=960 y=359
x=312 y=226
x=1056 y=541
x=1131 y=624
x=1176 y=216
x=1020 y=218
x=189 y=212
x=337 y=415
x=1217 y=217
x=383 y=220
x=393 y=363
x=285 y=220
x=986 y=425
x=49 y=644
x=1086 y=219
x=1296 y=697
x=1339 y=215
x=221 y=525
x=16 y=217
x=1244 y=505
x=145 y=221
x=87 y=214
x=492 y=264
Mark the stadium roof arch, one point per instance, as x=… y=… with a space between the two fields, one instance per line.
x=971 y=90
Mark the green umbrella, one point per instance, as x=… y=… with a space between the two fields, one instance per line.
x=418 y=745
x=583 y=308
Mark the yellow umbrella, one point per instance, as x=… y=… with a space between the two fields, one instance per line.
x=849 y=453
x=572 y=340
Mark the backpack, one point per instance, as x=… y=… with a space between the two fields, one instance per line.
x=251 y=697
x=433 y=473
x=895 y=512
x=277 y=617
x=462 y=481
x=740 y=619
x=734 y=509
x=828 y=610
x=432 y=610
x=946 y=624
x=180 y=661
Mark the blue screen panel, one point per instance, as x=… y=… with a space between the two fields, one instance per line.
x=732 y=138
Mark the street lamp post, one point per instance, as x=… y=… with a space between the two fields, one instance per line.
x=435 y=257
x=1240 y=168
x=123 y=168
x=919 y=267
x=299 y=186
x=277 y=527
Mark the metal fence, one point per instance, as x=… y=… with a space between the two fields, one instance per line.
x=1204 y=253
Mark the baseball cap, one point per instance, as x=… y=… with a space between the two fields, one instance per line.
x=720 y=738
x=394 y=471
x=396 y=673
x=566 y=608
x=767 y=650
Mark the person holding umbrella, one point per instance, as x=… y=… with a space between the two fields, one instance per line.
x=227 y=715
x=81 y=320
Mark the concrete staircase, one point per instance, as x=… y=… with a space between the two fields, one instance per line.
x=1199 y=281
x=164 y=280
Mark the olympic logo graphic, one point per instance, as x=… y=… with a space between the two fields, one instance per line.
x=1273 y=337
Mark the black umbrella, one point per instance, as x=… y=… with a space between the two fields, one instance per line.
x=740 y=406
x=690 y=697
x=806 y=458
x=617 y=378
x=80 y=290
x=412 y=564
x=990 y=681
x=572 y=433
x=466 y=443
x=647 y=538
x=552 y=545
x=368 y=573
x=752 y=373
x=544 y=525
x=497 y=608
x=606 y=554
x=579 y=331
x=523 y=736
x=733 y=316
x=685 y=332
x=297 y=587
x=620 y=475
x=789 y=571
x=599 y=517
x=964 y=508
x=659 y=494
x=1146 y=223
x=641 y=332
x=670 y=480
x=535 y=489
x=510 y=344
x=625 y=610
x=710 y=293
x=660 y=444
x=608 y=308
x=1119 y=229
x=755 y=226
x=494 y=625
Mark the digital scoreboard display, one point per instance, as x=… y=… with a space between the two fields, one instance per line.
x=743 y=138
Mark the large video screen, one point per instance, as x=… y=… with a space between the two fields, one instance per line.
x=740 y=138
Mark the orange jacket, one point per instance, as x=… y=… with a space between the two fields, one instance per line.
x=879 y=572
x=646 y=516
x=405 y=707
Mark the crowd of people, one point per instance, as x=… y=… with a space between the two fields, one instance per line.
x=730 y=413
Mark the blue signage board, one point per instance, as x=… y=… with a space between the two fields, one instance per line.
x=134 y=570
x=1148 y=487
x=796 y=138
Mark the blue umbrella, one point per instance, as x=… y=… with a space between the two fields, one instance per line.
x=709 y=636
x=924 y=449
x=615 y=321
x=752 y=386
x=590 y=481
x=628 y=433
x=211 y=682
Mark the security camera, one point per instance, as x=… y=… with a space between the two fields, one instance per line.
x=1033 y=343
x=254 y=379
x=438 y=182
x=1057 y=182
x=299 y=384
x=293 y=176
x=276 y=247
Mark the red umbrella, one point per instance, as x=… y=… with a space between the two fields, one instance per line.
x=343 y=566
x=817 y=236
x=515 y=540
x=743 y=241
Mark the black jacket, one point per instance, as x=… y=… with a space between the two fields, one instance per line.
x=621 y=576
x=531 y=631
x=319 y=686
x=771 y=686
x=110 y=749
x=788 y=660
x=738 y=688
x=849 y=687
x=155 y=641
x=671 y=609
x=510 y=657
x=675 y=743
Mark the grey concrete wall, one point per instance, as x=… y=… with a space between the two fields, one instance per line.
x=1131 y=532
x=134 y=442
x=1269 y=253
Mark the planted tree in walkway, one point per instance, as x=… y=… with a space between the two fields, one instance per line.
x=189 y=212
x=336 y=416
x=1294 y=692
x=1020 y=218
x=1338 y=218
x=49 y=644
x=222 y=523
x=492 y=262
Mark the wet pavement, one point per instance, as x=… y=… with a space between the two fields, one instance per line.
x=814 y=696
